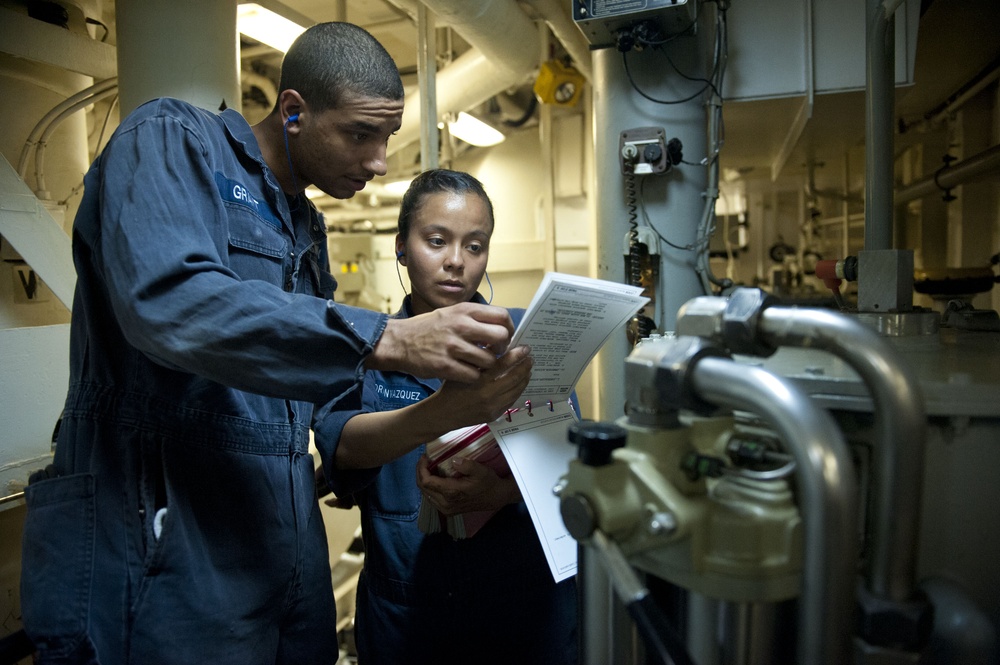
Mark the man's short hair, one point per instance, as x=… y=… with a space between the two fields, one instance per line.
x=331 y=59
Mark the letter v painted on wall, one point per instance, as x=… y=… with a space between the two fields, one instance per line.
x=28 y=287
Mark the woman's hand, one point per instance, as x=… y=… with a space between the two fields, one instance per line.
x=474 y=487
x=489 y=396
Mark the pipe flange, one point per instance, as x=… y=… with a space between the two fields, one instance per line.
x=903 y=625
x=740 y=319
x=658 y=379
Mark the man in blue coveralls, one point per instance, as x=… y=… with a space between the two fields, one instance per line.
x=178 y=522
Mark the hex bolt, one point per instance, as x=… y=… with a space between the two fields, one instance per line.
x=661 y=523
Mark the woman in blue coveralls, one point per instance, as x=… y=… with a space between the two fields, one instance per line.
x=429 y=598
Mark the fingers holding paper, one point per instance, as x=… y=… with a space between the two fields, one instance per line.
x=376 y=438
x=490 y=395
x=455 y=342
x=475 y=487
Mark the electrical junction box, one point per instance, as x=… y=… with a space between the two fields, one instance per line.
x=601 y=20
x=643 y=151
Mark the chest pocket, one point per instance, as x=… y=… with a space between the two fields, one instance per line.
x=395 y=495
x=257 y=250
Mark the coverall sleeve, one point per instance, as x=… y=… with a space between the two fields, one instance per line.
x=328 y=426
x=162 y=250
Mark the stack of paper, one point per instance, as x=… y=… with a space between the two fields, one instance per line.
x=476 y=443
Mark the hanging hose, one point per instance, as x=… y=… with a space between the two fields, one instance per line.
x=635 y=272
x=640 y=326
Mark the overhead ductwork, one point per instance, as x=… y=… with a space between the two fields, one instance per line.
x=506 y=51
x=499 y=30
x=556 y=14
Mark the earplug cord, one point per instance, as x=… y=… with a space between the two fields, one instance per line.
x=291 y=169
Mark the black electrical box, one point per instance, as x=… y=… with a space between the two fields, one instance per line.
x=601 y=20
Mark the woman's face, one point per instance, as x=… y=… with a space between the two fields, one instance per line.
x=447 y=249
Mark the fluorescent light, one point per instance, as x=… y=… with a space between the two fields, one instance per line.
x=266 y=27
x=474 y=131
x=398 y=187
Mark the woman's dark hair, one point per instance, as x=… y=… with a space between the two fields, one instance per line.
x=432 y=182
x=331 y=59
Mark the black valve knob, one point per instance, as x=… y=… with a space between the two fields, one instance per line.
x=596 y=440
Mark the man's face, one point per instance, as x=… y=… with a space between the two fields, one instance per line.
x=340 y=150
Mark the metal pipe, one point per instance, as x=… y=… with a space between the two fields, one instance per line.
x=661 y=640
x=204 y=72
x=828 y=494
x=249 y=78
x=427 y=81
x=57 y=110
x=607 y=634
x=898 y=461
x=40 y=188
x=952 y=106
x=559 y=19
x=880 y=45
x=17 y=497
x=985 y=163
x=748 y=633
x=845 y=248
x=546 y=142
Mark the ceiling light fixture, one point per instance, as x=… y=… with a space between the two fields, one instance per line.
x=266 y=26
x=398 y=187
x=473 y=130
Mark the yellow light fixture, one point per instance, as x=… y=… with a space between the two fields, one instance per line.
x=474 y=131
x=266 y=26
x=558 y=84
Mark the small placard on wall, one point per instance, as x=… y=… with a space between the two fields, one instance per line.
x=28 y=287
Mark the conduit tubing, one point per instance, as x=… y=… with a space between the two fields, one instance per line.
x=898 y=460
x=984 y=163
x=40 y=189
x=70 y=102
x=826 y=484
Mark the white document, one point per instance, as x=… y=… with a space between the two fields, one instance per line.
x=568 y=321
x=538 y=454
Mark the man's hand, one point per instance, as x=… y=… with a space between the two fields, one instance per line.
x=475 y=487
x=372 y=439
x=484 y=400
x=452 y=343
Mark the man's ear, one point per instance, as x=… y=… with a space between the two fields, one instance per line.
x=291 y=108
